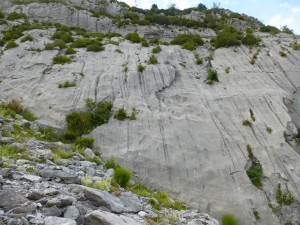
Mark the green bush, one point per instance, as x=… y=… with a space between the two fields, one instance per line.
x=152 y=60
x=57 y=43
x=156 y=49
x=134 y=37
x=63 y=35
x=247 y=122
x=110 y=163
x=11 y=44
x=27 y=38
x=70 y=51
x=96 y=47
x=85 y=142
x=2 y=42
x=1 y=15
x=282 y=53
x=122 y=176
x=90 y=104
x=16 y=16
x=212 y=75
x=61 y=59
x=296 y=46
x=189 y=46
x=250 y=39
x=140 y=68
x=188 y=41
x=121 y=114
x=226 y=39
x=67 y=84
x=229 y=219
x=79 y=123
x=83 y=43
x=255 y=173
x=269 y=29
x=145 y=43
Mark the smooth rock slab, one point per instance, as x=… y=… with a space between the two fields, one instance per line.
x=32 y=178
x=10 y=199
x=52 y=220
x=98 y=217
x=126 y=202
x=71 y=212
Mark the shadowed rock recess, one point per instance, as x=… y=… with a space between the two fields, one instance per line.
x=189 y=138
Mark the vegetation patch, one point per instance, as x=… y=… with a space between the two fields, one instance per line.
x=255 y=173
x=122 y=176
x=156 y=49
x=229 y=219
x=27 y=38
x=247 y=122
x=103 y=185
x=79 y=123
x=67 y=84
x=15 y=107
x=140 y=68
x=188 y=41
x=212 y=76
x=70 y=51
x=61 y=59
x=11 y=44
x=134 y=37
x=152 y=60
x=16 y=16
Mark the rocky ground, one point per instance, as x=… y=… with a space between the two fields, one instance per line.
x=38 y=188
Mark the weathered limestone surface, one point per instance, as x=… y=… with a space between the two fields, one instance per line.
x=188 y=138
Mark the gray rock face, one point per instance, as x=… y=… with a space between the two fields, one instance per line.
x=188 y=138
x=10 y=199
x=125 y=203
x=106 y=218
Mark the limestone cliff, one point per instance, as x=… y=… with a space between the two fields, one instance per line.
x=188 y=138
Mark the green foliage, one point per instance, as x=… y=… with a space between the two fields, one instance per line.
x=140 y=68
x=249 y=150
x=1 y=15
x=152 y=60
x=47 y=134
x=2 y=42
x=227 y=69
x=57 y=43
x=145 y=43
x=16 y=16
x=256 y=214
x=96 y=160
x=188 y=41
x=96 y=47
x=122 y=176
x=63 y=35
x=70 y=51
x=27 y=38
x=90 y=104
x=212 y=76
x=121 y=114
x=85 y=142
x=79 y=123
x=11 y=44
x=269 y=130
x=199 y=61
x=288 y=223
x=61 y=59
x=255 y=173
x=134 y=37
x=282 y=53
x=250 y=39
x=247 y=122
x=229 y=219
x=103 y=185
x=9 y=152
x=156 y=49
x=269 y=29
x=287 y=30
x=67 y=84
x=110 y=163
x=296 y=46
x=83 y=43
x=286 y=197
x=236 y=15
x=226 y=39
x=15 y=107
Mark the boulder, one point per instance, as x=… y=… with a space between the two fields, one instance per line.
x=10 y=199
x=52 y=220
x=72 y=213
x=98 y=217
x=126 y=202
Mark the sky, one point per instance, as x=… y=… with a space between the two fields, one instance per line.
x=271 y=12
